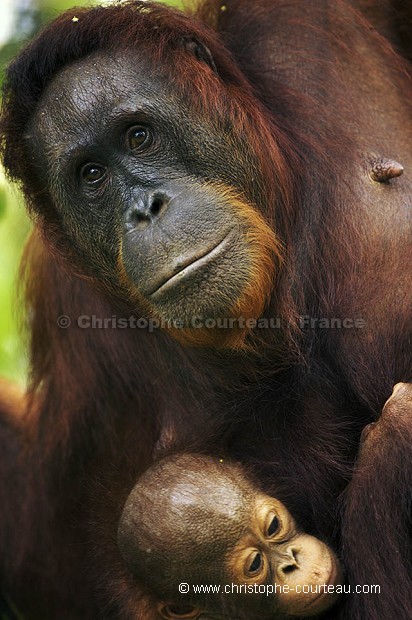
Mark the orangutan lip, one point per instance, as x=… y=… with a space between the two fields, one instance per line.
x=193 y=263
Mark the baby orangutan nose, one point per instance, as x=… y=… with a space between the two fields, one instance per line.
x=195 y=520
x=289 y=564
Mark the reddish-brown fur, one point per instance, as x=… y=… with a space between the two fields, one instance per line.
x=293 y=404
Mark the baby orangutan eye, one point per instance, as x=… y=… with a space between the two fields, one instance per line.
x=169 y=612
x=254 y=564
x=273 y=525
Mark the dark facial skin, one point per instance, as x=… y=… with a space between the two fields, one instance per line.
x=192 y=519
x=137 y=180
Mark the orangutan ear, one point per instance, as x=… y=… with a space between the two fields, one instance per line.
x=200 y=51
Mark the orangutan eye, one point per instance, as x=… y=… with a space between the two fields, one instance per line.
x=139 y=137
x=179 y=611
x=93 y=174
x=255 y=565
x=274 y=525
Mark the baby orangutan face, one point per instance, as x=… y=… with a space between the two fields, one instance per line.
x=197 y=521
x=273 y=552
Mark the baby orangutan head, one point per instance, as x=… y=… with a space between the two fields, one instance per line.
x=195 y=521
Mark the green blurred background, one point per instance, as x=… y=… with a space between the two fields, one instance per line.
x=19 y=20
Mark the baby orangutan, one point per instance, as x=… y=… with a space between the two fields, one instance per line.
x=192 y=521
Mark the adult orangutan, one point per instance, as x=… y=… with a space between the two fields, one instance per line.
x=236 y=176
